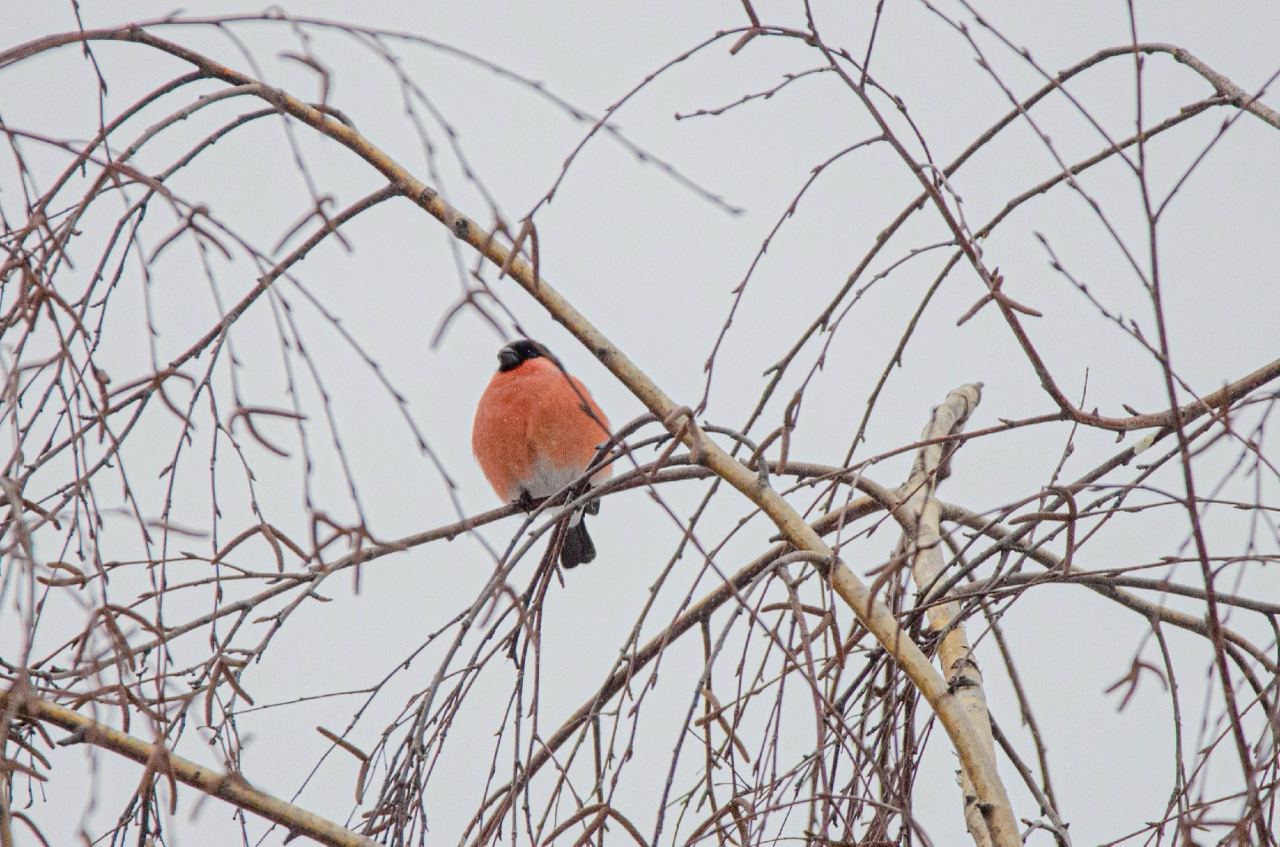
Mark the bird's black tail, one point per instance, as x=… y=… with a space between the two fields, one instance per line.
x=578 y=548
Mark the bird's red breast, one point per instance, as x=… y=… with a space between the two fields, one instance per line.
x=536 y=428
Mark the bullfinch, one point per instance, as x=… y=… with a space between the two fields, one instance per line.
x=536 y=430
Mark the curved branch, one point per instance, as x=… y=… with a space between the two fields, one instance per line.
x=229 y=787
x=1234 y=94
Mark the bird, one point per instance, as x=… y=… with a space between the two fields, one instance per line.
x=536 y=430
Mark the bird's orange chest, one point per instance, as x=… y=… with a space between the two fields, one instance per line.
x=532 y=430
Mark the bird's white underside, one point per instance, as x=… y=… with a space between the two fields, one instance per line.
x=547 y=479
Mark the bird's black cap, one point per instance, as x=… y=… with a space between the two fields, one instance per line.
x=518 y=352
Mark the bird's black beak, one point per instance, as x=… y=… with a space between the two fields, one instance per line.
x=507 y=359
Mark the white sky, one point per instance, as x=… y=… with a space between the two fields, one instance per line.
x=652 y=265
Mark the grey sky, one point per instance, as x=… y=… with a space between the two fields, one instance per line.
x=652 y=263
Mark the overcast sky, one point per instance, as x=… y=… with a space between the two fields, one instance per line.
x=651 y=259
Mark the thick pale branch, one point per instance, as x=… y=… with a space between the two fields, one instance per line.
x=924 y=546
x=229 y=787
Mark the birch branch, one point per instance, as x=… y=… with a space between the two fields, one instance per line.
x=923 y=546
x=160 y=763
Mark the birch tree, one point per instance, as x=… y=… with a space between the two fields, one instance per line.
x=246 y=587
